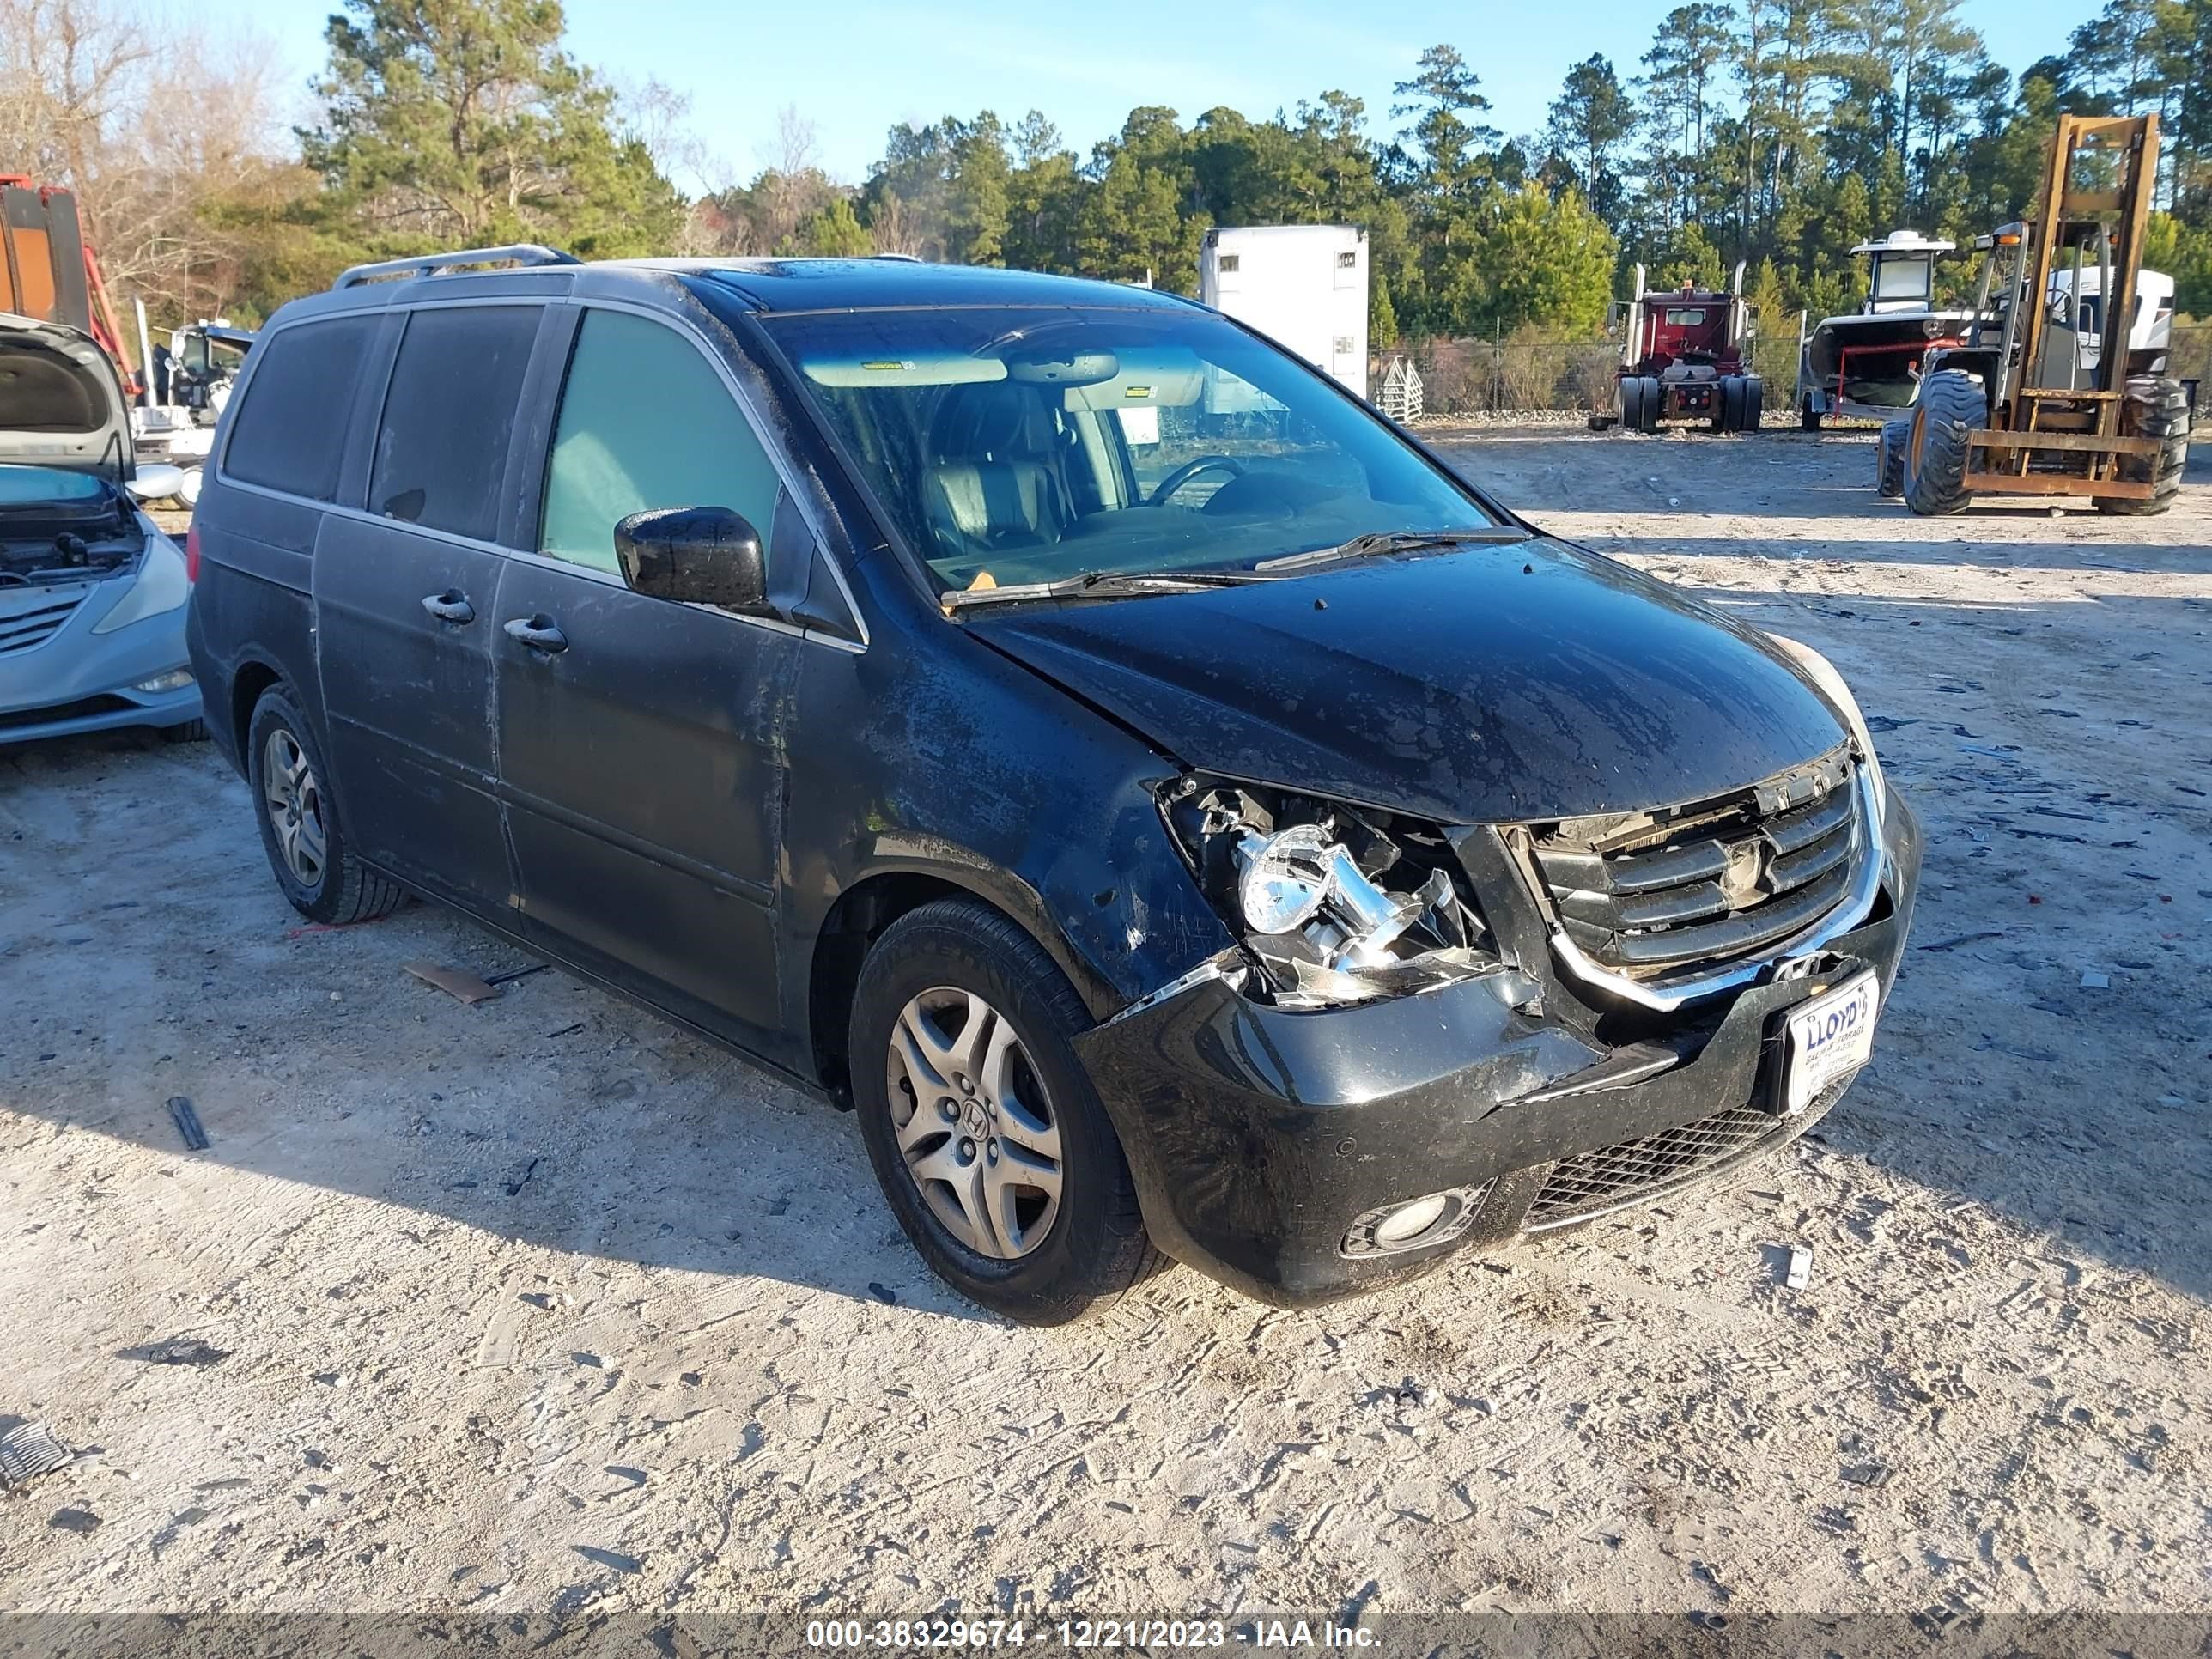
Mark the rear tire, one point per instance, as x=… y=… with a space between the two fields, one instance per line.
x=1632 y=403
x=2156 y=407
x=299 y=829
x=1655 y=404
x=1808 y=418
x=1951 y=408
x=1754 y=403
x=1889 y=458
x=190 y=731
x=1093 y=1247
x=1727 y=404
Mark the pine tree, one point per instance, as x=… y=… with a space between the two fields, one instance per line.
x=464 y=121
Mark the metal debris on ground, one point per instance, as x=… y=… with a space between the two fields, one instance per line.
x=27 y=1451
x=2093 y=980
x=187 y=1120
x=453 y=981
x=1799 y=1273
x=177 y=1351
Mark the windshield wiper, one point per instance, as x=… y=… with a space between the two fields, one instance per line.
x=1391 y=541
x=1103 y=584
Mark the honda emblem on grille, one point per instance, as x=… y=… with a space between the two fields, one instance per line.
x=1744 y=881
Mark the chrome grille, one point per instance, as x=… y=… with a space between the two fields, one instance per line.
x=1591 y=1182
x=31 y=616
x=1658 y=895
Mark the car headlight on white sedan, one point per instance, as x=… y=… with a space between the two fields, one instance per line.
x=1831 y=686
x=160 y=586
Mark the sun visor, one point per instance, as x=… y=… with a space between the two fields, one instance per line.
x=1164 y=378
x=903 y=369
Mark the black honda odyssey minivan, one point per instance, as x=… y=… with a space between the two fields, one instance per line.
x=1181 y=817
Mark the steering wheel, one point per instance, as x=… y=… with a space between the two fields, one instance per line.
x=1190 y=470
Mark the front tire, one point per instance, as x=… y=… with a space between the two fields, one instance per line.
x=299 y=830
x=1950 y=408
x=1889 y=458
x=987 y=1134
x=2156 y=407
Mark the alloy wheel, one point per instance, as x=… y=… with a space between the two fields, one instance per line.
x=974 y=1124
x=294 y=800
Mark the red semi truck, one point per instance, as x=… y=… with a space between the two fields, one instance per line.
x=1683 y=356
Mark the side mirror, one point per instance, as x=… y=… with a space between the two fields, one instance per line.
x=157 y=483
x=694 y=555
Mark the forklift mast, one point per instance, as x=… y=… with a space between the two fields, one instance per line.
x=2094 y=204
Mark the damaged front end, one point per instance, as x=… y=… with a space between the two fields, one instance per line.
x=1334 y=904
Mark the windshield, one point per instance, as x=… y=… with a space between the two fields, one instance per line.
x=1910 y=278
x=1025 y=446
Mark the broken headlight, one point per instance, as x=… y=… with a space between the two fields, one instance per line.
x=1334 y=904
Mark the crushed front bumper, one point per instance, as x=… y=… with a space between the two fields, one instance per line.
x=1258 y=1137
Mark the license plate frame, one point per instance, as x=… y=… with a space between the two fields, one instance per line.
x=1827 y=1038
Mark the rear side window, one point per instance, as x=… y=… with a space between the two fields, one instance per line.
x=646 y=423
x=289 y=431
x=442 y=450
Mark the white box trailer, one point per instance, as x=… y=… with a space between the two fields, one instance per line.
x=1303 y=286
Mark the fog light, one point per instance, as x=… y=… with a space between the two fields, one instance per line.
x=175 y=680
x=1416 y=1224
x=1411 y=1220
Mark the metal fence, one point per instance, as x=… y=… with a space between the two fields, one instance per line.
x=1464 y=376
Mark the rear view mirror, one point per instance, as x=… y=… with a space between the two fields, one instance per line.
x=695 y=554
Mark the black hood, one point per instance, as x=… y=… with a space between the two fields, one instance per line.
x=1515 y=681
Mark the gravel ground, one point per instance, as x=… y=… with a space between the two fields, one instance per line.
x=537 y=1307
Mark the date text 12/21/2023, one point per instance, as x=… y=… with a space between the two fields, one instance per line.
x=1071 y=1635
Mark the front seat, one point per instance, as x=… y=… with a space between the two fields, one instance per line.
x=990 y=483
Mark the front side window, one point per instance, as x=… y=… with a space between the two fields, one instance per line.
x=645 y=423
x=442 y=450
x=1024 y=446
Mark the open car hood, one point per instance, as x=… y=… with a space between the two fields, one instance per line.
x=61 y=404
x=1517 y=682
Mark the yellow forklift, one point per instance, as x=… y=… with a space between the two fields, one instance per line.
x=2058 y=388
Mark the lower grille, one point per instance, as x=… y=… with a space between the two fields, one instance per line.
x=1658 y=895
x=1590 y=1183
x=82 y=708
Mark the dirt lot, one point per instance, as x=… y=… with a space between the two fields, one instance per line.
x=538 y=1306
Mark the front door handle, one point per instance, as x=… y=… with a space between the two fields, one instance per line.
x=451 y=606
x=538 y=633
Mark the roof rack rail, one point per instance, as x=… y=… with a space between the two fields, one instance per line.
x=515 y=253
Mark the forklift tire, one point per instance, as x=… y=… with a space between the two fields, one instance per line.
x=1889 y=458
x=2156 y=407
x=1951 y=406
x=1632 y=403
x=1808 y=418
x=1754 y=403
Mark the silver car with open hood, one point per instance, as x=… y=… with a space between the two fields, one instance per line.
x=92 y=594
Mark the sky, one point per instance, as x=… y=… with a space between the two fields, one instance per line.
x=855 y=67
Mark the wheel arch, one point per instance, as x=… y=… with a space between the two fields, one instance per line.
x=865 y=908
x=249 y=681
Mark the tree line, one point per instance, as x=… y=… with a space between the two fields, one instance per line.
x=1776 y=132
